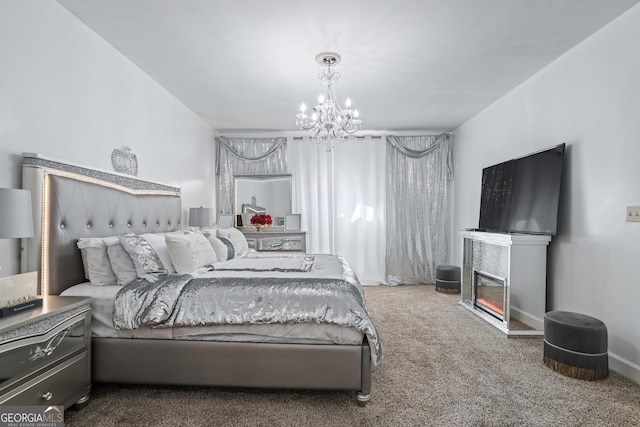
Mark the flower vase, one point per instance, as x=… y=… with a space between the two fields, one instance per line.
x=260 y=227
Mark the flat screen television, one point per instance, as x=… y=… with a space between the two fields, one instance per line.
x=522 y=195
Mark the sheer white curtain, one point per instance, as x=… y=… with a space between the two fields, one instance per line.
x=341 y=196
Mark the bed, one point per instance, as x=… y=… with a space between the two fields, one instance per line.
x=71 y=203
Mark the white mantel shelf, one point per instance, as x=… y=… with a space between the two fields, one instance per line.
x=520 y=260
x=507 y=238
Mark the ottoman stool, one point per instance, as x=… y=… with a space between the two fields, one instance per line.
x=575 y=345
x=448 y=279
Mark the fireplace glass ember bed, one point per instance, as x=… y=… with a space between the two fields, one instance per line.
x=489 y=294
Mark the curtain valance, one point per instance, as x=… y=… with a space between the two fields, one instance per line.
x=403 y=144
x=250 y=149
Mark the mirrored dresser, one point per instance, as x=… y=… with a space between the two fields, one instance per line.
x=45 y=354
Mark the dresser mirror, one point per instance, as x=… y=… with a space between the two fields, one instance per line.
x=269 y=194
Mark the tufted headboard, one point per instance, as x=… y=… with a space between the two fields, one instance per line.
x=70 y=202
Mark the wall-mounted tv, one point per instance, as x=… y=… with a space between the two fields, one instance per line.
x=522 y=195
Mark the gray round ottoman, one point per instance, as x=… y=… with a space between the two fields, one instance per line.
x=448 y=279
x=575 y=345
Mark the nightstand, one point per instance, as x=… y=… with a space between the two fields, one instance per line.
x=45 y=354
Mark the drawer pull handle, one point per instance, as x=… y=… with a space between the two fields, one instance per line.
x=47 y=396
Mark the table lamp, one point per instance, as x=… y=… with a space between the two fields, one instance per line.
x=17 y=292
x=200 y=217
x=16 y=220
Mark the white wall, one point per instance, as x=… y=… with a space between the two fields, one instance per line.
x=589 y=99
x=67 y=94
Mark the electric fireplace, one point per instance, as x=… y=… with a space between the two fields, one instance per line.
x=503 y=280
x=489 y=294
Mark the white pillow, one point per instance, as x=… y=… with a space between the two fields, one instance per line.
x=211 y=229
x=96 y=261
x=121 y=263
x=221 y=250
x=189 y=252
x=237 y=239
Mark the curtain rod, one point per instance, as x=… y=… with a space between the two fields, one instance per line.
x=300 y=138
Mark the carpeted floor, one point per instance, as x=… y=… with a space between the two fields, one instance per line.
x=443 y=366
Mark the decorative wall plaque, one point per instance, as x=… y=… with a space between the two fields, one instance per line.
x=124 y=161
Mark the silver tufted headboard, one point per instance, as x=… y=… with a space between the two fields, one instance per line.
x=70 y=202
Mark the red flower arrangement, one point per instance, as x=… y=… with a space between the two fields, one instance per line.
x=261 y=219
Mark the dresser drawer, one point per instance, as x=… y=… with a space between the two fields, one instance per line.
x=269 y=241
x=62 y=385
x=280 y=244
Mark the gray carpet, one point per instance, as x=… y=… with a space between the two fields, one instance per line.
x=443 y=366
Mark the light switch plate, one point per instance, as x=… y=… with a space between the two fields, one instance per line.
x=633 y=213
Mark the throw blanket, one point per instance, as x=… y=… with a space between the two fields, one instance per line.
x=284 y=264
x=184 y=300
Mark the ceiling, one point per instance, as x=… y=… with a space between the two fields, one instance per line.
x=246 y=66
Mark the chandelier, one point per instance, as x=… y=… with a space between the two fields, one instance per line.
x=329 y=122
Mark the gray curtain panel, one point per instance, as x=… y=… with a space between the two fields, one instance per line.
x=419 y=170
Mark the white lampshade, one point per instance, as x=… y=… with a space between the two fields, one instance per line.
x=200 y=217
x=16 y=220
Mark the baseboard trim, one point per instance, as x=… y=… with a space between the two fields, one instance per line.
x=527 y=319
x=624 y=367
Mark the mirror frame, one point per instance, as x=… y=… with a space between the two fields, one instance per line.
x=237 y=208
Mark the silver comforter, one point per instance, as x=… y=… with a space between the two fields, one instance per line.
x=238 y=293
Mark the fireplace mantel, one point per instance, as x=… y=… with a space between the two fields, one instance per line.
x=520 y=262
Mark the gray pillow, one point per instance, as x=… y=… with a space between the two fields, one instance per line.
x=231 y=250
x=221 y=250
x=96 y=261
x=236 y=237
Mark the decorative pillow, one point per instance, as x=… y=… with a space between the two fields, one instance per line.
x=221 y=250
x=97 y=265
x=121 y=263
x=231 y=251
x=236 y=237
x=189 y=251
x=159 y=244
x=85 y=266
x=148 y=264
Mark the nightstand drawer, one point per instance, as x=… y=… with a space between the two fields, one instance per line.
x=62 y=385
x=24 y=357
x=46 y=353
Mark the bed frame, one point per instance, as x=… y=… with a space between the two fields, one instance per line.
x=71 y=201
